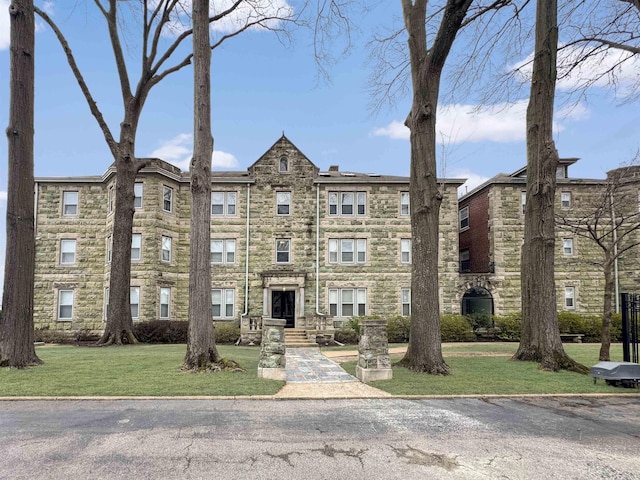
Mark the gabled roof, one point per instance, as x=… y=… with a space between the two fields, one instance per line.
x=285 y=142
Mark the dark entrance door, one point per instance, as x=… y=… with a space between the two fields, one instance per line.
x=283 y=305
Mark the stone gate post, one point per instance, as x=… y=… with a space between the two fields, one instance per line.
x=272 y=350
x=373 y=352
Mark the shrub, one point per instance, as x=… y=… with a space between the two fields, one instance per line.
x=227 y=333
x=570 y=322
x=455 y=328
x=44 y=334
x=398 y=329
x=510 y=327
x=480 y=320
x=161 y=331
x=346 y=335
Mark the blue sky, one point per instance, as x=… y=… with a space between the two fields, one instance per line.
x=261 y=88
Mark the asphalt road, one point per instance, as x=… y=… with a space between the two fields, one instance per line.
x=526 y=438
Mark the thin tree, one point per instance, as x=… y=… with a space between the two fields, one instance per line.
x=157 y=18
x=611 y=221
x=201 y=346
x=540 y=340
x=16 y=318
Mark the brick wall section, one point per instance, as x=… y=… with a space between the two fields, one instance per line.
x=476 y=237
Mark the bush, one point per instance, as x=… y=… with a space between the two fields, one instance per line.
x=480 y=320
x=456 y=328
x=227 y=333
x=510 y=327
x=346 y=335
x=44 y=334
x=570 y=322
x=398 y=329
x=161 y=331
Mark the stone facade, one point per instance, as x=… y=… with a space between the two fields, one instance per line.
x=288 y=241
x=490 y=244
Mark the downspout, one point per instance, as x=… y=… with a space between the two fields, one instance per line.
x=615 y=254
x=246 y=261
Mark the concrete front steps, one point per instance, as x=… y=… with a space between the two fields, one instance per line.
x=297 y=338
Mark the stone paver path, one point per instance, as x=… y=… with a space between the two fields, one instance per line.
x=308 y=365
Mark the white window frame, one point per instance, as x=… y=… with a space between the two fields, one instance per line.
x=167 y=190
x=227 y=253
x=405 y=251
x=106 y=303
x=338 y=204
x=134 y=294
x=567 y=247
x=110 y=248
x=165 y=248
x=280 y=243
x=68 y=203
x=463 y=218
x=111 y=195
x=229 y=203
x=405 y=302
x=565 y=200
x=570 y=298
x=68 y=251
x=405 y=204
x=68 y=303
x=347 y=302
x=226 y=302
x=338 y=249
x=283 y=199
x=138 y=195
x=165 y=303
x=137 y=257
x=523 y=201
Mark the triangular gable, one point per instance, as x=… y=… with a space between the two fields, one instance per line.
x=283 y=144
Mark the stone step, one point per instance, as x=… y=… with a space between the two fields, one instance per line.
x=297 y=338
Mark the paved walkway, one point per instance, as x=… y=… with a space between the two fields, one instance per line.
x=310 y=374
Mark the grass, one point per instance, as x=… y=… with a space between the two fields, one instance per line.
x=487 y=368
x=140 y=370
x=154 y=370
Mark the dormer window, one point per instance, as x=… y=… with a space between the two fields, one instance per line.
x=284 y=165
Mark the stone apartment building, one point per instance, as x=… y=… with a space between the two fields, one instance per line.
x=491 y=224
x=287 y=241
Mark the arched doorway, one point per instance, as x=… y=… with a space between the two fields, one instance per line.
x=477 y=301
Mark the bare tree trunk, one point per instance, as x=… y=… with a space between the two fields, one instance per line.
x=609 y=286
x=540 y=340
x=16 y=318
x=425 y=342
x=201 y=347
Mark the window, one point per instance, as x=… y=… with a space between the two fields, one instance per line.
x=405 y=250
x=283 y=250
x=405 y=298
x=223 y=251
x=404 y=203
x=110 y=248
x=347 y=250
x=463 y=215
x=570 y=298
x=136 y=246
x=347 y=302
x=111 y=195
x=347 y=203
x=166 y=249
x=167 y=198
x=565 y=199
x=137 y=195
x=222 y=302
x=67 y=251
x=65 y=304
x=106 y=303
x=165 y=301
x=134 y=293
x=465 y=261
x=283 y=203
x=567 y=246
x=223 y=203
x=69 y=204
x=284 y=164
x=523 y=201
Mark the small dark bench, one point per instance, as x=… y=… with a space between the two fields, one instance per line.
x=572 y=337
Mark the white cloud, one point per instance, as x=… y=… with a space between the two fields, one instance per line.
x=48 y=6
x=473 y=180
x=4 y=24
x=247 y=12
x=597 y=70
x=503 y=122
x=3 y=196
x=179 y=150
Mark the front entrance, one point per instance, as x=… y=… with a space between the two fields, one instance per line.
x=283 y=305
x=477 y=301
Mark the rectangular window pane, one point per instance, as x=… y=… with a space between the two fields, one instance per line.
x=523 y=201
x=566 y=199
x=231 y=251
x=67 y=251
x=283 y=200
x=216 y=251
x=347 y=203
x=569 y=297
x=333 y=250
x=362 y=250
x=217 y=203
x=282 y=251
x=167 y=198
x=137 y=195
x=347 y=303
x=65 y=304
x=70 y=203
x=231 y=203
x=404 y=203
x=405 y=249
x=166 y=249
x=165 y=299
x=362 y=200
x=229 y=302
x=136 y=246
x=346 y=251
x=216 y=301
x=333 y=203
x=134 y=293
x=333 y=302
